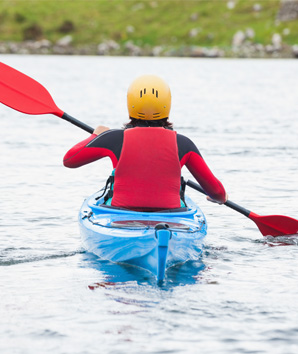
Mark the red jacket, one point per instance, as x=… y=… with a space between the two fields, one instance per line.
x=148 y=164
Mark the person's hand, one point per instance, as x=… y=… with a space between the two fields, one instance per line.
x=215 y=201
x=100 y=129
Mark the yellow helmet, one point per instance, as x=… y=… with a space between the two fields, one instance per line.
x=148 y=98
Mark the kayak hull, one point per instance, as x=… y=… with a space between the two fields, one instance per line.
x=154 y=241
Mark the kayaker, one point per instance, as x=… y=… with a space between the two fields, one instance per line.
x=147 y=155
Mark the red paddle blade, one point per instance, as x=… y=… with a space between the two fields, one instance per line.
x=275 y=225
x=24 y=94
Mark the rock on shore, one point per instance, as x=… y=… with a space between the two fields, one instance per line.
x=288 y=10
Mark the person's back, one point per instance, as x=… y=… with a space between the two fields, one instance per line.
x=147 y=155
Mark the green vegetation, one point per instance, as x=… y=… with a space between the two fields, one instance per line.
x=170 y=23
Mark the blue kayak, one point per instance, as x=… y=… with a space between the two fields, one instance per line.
x=154 y=241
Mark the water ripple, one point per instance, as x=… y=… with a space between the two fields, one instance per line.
x=12 y=256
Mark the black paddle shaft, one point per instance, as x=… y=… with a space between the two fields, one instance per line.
x=228 y=203
x=78 y=123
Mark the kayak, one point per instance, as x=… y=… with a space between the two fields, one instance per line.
x=154 y=241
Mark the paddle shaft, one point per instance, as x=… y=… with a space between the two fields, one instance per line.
x=77 y=122
x=228 y=203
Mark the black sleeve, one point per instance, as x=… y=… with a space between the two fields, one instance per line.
x=111 y=140
x=185 y=145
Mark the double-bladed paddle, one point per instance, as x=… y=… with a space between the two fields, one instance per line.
x=20 y=92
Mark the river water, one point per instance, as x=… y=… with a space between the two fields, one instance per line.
x=241 y=297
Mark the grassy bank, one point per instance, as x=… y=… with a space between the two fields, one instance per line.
x=169 y=23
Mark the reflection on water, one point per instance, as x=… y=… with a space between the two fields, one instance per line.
x=117 y=273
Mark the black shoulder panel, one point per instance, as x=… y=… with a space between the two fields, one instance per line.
x=111 y=140
x=185 y=145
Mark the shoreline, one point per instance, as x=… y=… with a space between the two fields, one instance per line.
x=111 y=48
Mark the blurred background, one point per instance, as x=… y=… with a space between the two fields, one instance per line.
x=197 y=28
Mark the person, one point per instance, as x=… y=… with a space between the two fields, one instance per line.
x=147 y=155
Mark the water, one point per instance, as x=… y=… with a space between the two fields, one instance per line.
x=242 y=296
